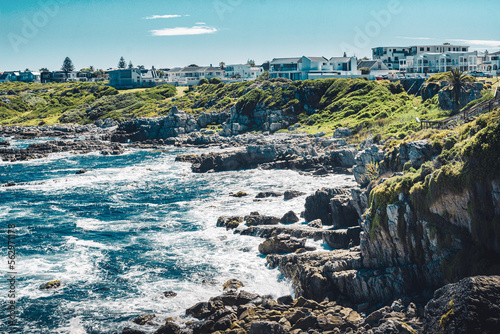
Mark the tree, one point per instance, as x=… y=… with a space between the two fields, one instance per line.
x=91 y=68
x=67 y=65
x=44 y=69
x=122 y=63
x=141 y=67
x=27 y=70
x=266 y=65
x=251 y=62
x=457 y=80
x=222 y=65
x=130 y=65
x=345 y=54
x=193 y=65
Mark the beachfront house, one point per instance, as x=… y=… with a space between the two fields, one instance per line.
x=395 y=56
x=127 y=78
x=192 y=75
x=432 y=62
x=375 y=67
x=242 y=72
x=308 y=68
x=20 y=76
x=489 y=63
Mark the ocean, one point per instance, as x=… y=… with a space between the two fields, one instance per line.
x=130 y=228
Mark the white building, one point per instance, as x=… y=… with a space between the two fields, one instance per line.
x=242 y=72
x=376 y=67
x=489 y=63
x=394 y=56
x=308 y=68
x=432 y=62
x=191 y=75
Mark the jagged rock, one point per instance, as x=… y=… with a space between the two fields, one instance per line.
x=265 y=194
x=239 y=194
x=145 y=319
x=471 y=92
x=266 y=327
x=394 y=327
x=254 y=220
x=229 y=222
x=285 y=300
x=200 y=310
x=329 y=321
x=343 y=238
x=294 y=231
x=50 y=285
x=370 y=155
x=315 y=224
x=289 y=218
x=128 y=330
x=416 y=152
x=4 y=143
x=232 y=284
x=280 y=244
x=469 y=306
x=332 y=206
x=289 y=194
x=342 y=132
x=169 y=328
x=169 y=294
x=81 y=171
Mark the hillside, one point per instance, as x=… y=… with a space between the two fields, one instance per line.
x=381 y=108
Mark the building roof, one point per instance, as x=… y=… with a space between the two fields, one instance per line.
x=200 y=69
x=371 y=63
x=285 y=60
x=318 y=59
x=341 y=59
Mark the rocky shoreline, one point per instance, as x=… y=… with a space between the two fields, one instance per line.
x=378 y=275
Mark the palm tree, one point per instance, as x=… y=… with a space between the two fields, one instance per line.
x=458 y=81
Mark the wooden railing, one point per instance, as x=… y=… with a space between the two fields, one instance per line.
x=464 y=115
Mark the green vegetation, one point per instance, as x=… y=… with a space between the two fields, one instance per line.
x=39 y=104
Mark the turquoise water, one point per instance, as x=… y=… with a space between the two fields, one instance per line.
x=132 y=227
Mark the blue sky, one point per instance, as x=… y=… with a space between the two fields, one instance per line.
x=166 y=33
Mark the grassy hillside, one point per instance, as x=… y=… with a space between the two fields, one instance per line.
x=379 y=108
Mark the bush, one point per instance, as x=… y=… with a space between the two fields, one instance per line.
x=215 y=81
x=203 y=81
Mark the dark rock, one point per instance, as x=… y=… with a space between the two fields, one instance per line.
x=266 y=194
x=204 y=327
x=50 y=285
x=169 y=328
x=128 y=330
x=145 y=319
x=266 y=327
x=329 y=321
x=469 y=306
x=289 y=194
x=306 y=323
x=332 y=206
x=280 y=244
x=81 y=171
x=285 y=300
x=4 y=143
x=343 y=238
x=225 y=322
x=229 y=222
x=169 y=294
x=289 y=218
x=239 y=194
x=315 y=224
x=254 y=213
x=200 y=310
x=261 y=220
x=245 y=297
x=232 y=284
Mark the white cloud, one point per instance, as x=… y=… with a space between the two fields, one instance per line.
x=200 y=23
x=154 y=17
x=479 y=42
x=184 y=31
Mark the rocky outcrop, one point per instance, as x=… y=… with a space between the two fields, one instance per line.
x=369 y=156
x=40 y=150
x=342 y=238
x=469 y=306
x=58 y=130
x=148 y=128
x=289 y=194
x=289 y=218
x=333 y=206
x=472 y=92
x=280 y=244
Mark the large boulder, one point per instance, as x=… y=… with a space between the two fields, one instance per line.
x=333 y=206
x=280 y=244
x=289 y=218
x=470 y=306
x=266 y=327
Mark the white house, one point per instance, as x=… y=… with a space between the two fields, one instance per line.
x=191 y=75
x=305 y=68
x=376 y=67
x=433 y=62
x=242 y=72
x=489 y=63
x=394 y=56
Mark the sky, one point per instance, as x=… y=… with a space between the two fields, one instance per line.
x=167 y=33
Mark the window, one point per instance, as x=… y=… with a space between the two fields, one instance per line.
x=421 y=49
x=428 y=49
